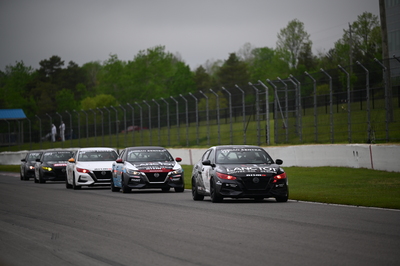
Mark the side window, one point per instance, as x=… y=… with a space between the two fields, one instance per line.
x=205 y=155
x=211 y=156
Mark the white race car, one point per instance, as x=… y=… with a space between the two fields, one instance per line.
x=90 y=167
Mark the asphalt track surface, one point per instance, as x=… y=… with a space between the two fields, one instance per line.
x=47 y=224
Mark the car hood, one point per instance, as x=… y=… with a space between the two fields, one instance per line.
x=155 y=165
x=95 y=166
x=248 y=168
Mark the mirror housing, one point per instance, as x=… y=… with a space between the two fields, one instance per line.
x=119 y=160
x=279 y=161
x=71 y=160
x=178 y=159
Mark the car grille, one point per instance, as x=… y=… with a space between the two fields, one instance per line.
x=60 y=172
x=156 y=177
x=256 y=183
x=102 y=176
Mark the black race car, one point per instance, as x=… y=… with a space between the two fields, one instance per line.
x=52 y=165
x=27 y=169
x=239 y=171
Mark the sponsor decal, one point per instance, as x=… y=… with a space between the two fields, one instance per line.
x=253 y=169
x=60 y=164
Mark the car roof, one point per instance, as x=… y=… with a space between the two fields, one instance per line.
x=96 y=148
x=146 y=148
x=235 y=146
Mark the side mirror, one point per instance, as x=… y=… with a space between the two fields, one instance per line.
x=178 y=159
x=119 y=160
x=71 y=160
x=206 y=162
x=23 y=160
x=279 y=161
x=38 y=160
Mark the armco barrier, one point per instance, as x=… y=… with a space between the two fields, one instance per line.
x=375 y=156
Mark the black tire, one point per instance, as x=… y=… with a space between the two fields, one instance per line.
x=34 y=179
x=165 y=189
x=215 y=196
x=283 y=198
x=21 y=176
x=41 y=180
x=113 y=187
x=179 y=189
x=195 y=193
x=258 y=199
x=125 y=188
x=67 y=185
x=74 y=186
x=25 y=177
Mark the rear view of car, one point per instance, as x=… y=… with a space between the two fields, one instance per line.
x=51 y=166
x=90 y=167
x=147 y=168
x=27 y=170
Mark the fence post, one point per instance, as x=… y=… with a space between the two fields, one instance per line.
x=116 y=124
x=230 y=113
x=197 y=117
x=266 y=112
x=187 y=120
x=150 y=129
x=102 y=126
x=386 y=98
x=109 y=124
x=368 y=105
x=330 y=103
x=348 y=102
x=315 y=106
x=141 y=123
x=158 y=122
x=177 y=119
x=299 y=120
x=218 y=122
x=95 y=131
x=168 y=126
x=243 y=114
x=40 y=131
x=286 y=108
x=79 y=127
x=275 y=111
x=207 y=118
x=257 y=114
x=125 y=128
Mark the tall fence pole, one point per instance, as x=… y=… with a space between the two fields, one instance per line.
x=275 y=111
x=87 y=128
x=158 y=122
x=109 y=124
x=70 y=127
x=79 y=127
x=125 y=128
x=168 y=125
x=102 y=126
x=218 y=122
x=133 y=123
x=116 y=124
x=62 y=142
x=257 y=114
x=267 y=137
x=141 y=122
x=150 y=128
x=177 y=120
x=386 y=98
x=230 y=115
x=95 y=130
x=243 y=113
x=40 y=130
x=286 y=109
x=187 y=119
x=298 y=103
x=197 y=117
x=368 y=104
x=348 y=102
x=315 y=105
x=207 y=118
x=330 y=104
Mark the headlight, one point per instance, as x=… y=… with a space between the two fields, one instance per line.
x=47 y=168
x=133 y=172
x=176 y=172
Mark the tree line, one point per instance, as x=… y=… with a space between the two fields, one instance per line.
x=155 y=73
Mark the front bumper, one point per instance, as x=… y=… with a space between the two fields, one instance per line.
x=93 y=178
x=242 y=189
x=56 y=174
x=154 y=180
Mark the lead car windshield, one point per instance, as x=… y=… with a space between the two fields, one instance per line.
x=243 y=156
x=149 y=156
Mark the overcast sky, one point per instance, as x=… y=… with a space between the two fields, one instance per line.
x=90 y=30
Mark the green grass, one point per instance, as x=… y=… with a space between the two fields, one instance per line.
x=336 y=185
